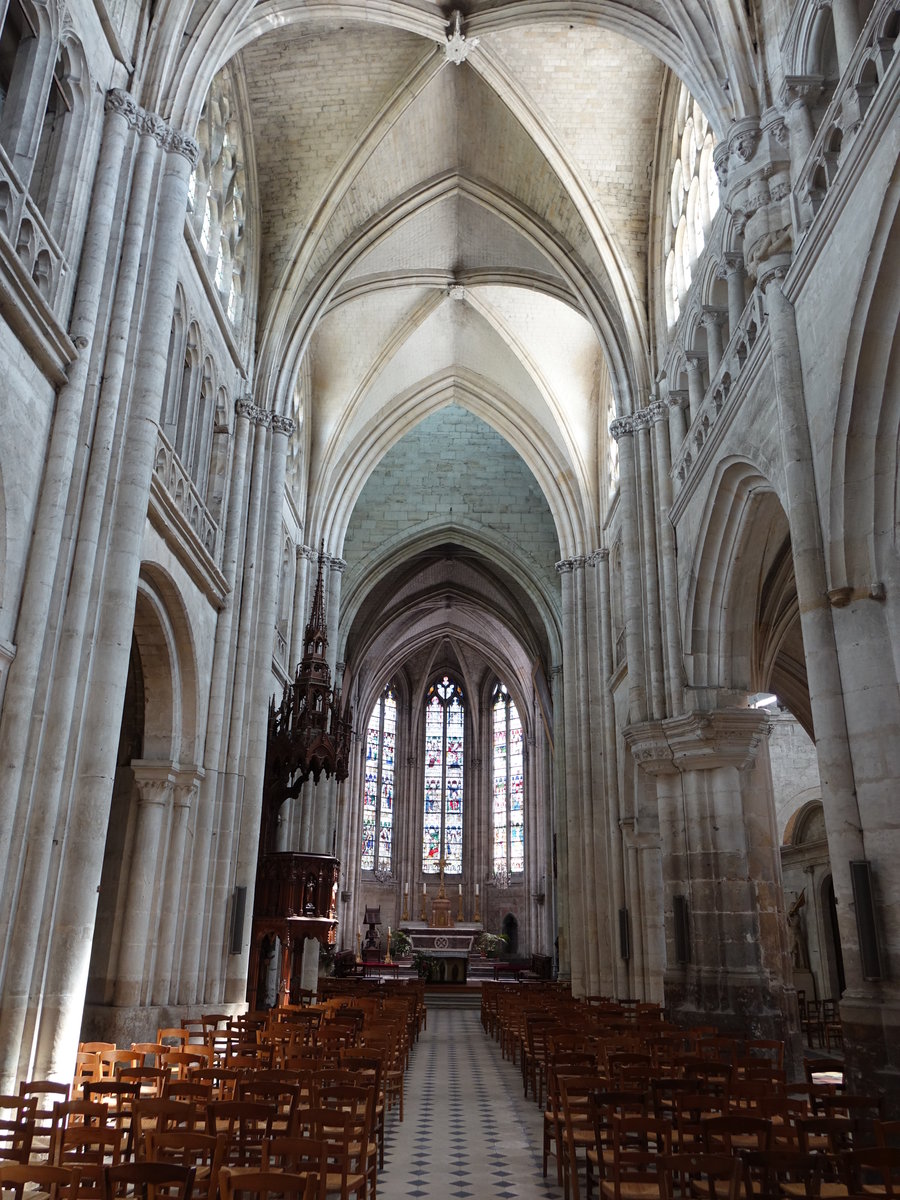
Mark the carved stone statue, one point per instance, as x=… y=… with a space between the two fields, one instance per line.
x=799 y=951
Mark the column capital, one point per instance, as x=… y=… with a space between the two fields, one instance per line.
x=337 y=564
x=731 y=262
x=771 y=272
x=565 y=566
x=308 y=552
x=712 y=316
x=801 y=90
x=283 y=425
x=659 y=411
x=187 y=785
x=621 y=427
x=695 y=359
x=698 y=741
x=601 y=554
x=641 y=419
x=244 y=407
x=678 y=398
x=154 y=780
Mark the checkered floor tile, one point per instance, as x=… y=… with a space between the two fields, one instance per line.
x=467 y=1132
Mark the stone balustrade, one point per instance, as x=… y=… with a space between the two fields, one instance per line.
x=723 y=387
x=181 y=490
x=24 y=227
x=874 y=58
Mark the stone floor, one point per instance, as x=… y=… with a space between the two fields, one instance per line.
x=467 y=1133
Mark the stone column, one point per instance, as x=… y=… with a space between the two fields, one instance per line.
x=234 y=721
x=798 y=92
x=720 y=863
x=155 y=783
x=259 y=685
x=733 y=271
x=173 y=891
x=696 y=361
x=672 y=650
x=99 y=735
x=203 y=868
x=42 y=782
x=870 y=1044
x=622 y=429
x=847 y=29
x=712 y=320
x=609 y=867
x=645 y=488
x=43 y=558
x=582 y=726
x=679 y=403
x=305 y=556
x=568 y=825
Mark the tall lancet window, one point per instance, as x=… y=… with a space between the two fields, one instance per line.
x=508 y=807
x=378 y=791
x=444 y=753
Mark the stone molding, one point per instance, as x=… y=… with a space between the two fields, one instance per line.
x=458 y=47
x=659 y=411
x=154 y=780
x=337 y=564
x=567 y=565
x=621 y=427
x=698 y=741
x=642 y=419
x=712 y=316
x=678 y=398
x=283 y=425
x=148 y=124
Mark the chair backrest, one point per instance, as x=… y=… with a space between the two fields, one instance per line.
x=47 y=1093
x=148 y=1180
x=51 y=1183
x=17 y=1118
x=766 y=1171
x=697 y=1175
x=271 y=1183
x=205 y=1152
x=246 y=1125
x=882 y=1161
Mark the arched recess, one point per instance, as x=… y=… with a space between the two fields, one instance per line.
x=159 y=727
x=742 y=618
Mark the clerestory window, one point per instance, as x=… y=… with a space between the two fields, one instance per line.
x=444 y=761
x=378 y=788
x=508 y=798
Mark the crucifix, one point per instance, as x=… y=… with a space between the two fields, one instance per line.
x=442 y=862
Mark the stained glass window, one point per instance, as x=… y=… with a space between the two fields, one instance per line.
x=444 y=759
x=378 y=788
x=508 y=799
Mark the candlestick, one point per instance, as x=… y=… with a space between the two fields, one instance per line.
x=459 y=915
x=358 y=940
x=422 y=916
x=477 y=891
x=406 y=889
x=387 y=957
x=405 y=914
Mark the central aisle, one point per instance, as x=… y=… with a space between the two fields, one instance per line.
x=467 y=1130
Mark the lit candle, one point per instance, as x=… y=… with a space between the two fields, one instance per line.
x=389 y=932
x=460 y=889
x=424 y=888
x=476 y=889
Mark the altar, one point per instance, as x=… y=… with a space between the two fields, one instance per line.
x=449 y=948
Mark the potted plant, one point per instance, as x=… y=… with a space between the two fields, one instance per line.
x=326 y=959
x=491 y=945
x=425 y=966
x=401 y=945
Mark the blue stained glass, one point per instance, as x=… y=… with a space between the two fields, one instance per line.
x=378 y=786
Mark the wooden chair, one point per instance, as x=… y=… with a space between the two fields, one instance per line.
x=367 y=1068
x=152 y=1080
x=264 y=1184
x=704 y=1176
x=95 y=1047
x=203 y=1152
x=87 y=1068
x=34 y=1179
x=47 y=1094
x=196 y=1091
x=767 y=1173
x=165 y=1115
x=881 y=1162
x=119 y=1097
x=173 y=1037
x=603 y=1109
x=150 y=1050
x=180 y=1063
x=17 y=1120
x=149 y=1180
x=284 y=1096
x=90 y=1148
x=359 y=1102
x=112 y=1061
x=639 y=1146
x=222 y=1080
x=346 y=1149
x=887 y=1133
x=246 y=1126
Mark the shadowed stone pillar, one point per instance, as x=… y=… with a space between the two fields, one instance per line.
x=622 y=429
x=735 y=276
x=174 y=886
x=660 y=416
x=727 y=963
x=155 y=783
x=656 y=706
x=679 y=407
x=696 y=361
x=847 y=29
x=712 y=320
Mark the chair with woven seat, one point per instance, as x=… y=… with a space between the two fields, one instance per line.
x=284 y=1096
x=39 y=1179
x=604 y=1106
x=17 y=1120
x=148 y=1180
x=768 y=1173
x=346 y=1149
x=112 y=1061
x=874 y=1171
x=204 y=1152
x=246 y=1125
x=703 y=1176
x=577 y=1128
x=639 y=1146
x=47 y=1093
x=359 y=1101
x=90 y=1148
x=262 y=1185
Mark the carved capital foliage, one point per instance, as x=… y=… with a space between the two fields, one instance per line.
x=710 y=316
x=154 y=781
x=801 y=89
x=565 y=566
x=179 y=142
x=283 y=425
x=731 y=263
x=121 y=103
x=244 y=408
x=641 y=419
x=659 y=411
x=621 y=427
x=337 y=564
x=695 y=359
x=678 y=398
x=699 y=741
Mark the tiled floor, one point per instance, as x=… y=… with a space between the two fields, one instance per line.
x=467 y=1132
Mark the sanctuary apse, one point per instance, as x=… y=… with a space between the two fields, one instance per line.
x=569 y=332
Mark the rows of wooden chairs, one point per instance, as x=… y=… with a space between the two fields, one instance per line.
x=624 y=1092
x=297 y=1095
